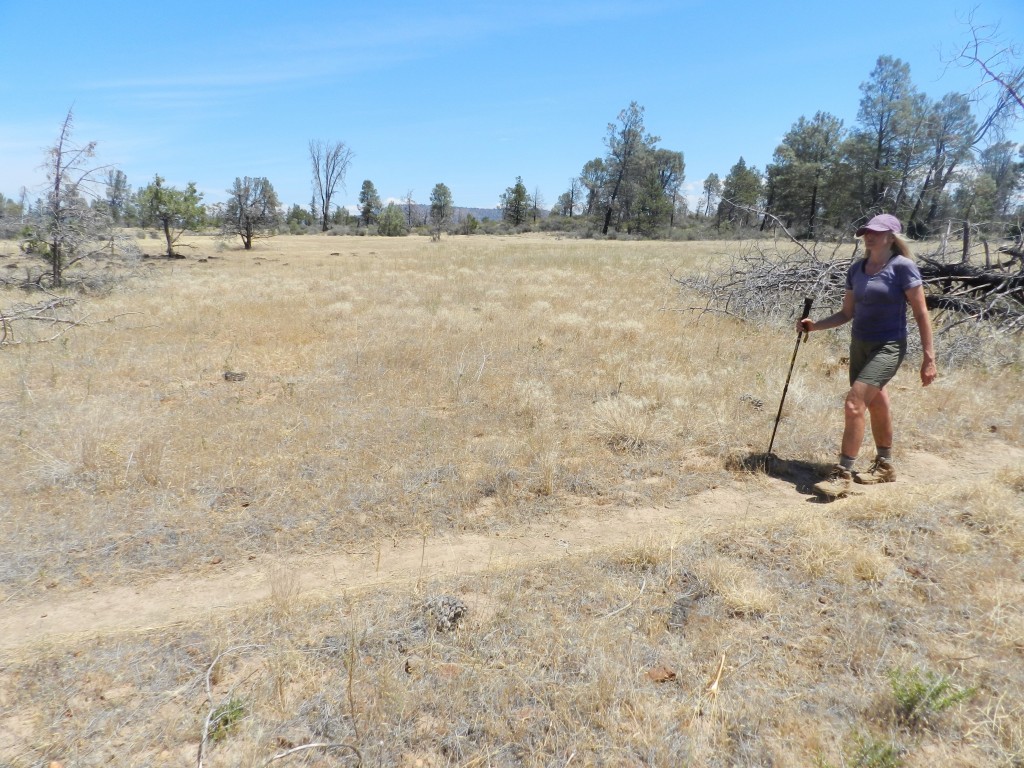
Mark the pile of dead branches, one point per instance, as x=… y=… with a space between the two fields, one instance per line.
x=963 y=292
x=766 y=281
x=769 y=279
x=48 y=319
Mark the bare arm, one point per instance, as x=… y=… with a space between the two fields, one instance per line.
x=915 y=297
x=843 y=316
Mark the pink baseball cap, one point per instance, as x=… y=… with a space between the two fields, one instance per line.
x=883 y=222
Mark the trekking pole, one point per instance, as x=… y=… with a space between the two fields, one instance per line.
x=799 y=333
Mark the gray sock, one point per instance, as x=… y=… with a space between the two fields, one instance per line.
x=884 y=453
x=847 y=462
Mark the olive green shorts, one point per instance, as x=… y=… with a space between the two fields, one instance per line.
x=875 y=362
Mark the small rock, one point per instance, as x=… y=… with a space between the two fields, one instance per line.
x=661 y=674
x=446 y=611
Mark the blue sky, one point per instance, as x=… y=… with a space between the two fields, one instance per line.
x=471 y=94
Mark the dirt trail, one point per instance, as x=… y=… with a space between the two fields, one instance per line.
x=188 y=597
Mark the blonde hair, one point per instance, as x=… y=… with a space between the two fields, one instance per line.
x=901 y=245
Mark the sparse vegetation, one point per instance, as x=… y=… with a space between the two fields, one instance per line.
x=400 y=398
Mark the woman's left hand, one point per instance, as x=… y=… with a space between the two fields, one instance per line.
x=928 y=372
x=919 y=306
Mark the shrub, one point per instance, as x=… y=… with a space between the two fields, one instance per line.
x=224 y=718
x=918 y=696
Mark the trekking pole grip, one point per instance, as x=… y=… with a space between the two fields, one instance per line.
x=807 y=310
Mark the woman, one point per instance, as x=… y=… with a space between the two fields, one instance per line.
x=878 y=289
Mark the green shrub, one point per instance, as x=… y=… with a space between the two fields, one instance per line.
x=225 y=717
x=918 y=696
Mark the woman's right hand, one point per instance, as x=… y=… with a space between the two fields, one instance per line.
x=805 y=325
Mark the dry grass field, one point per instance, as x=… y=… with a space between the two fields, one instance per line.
x=486 y=502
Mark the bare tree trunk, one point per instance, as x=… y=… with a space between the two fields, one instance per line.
x=611 y=202
x=945 y=239
x=167 y=236
x=768 y=206
x=57 y=203
x=812 y=220
x=912 y=219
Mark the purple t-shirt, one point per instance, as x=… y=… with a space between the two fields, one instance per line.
x=879 y=301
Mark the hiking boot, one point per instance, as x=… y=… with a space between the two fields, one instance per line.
x=882 y=471
x=839 y=483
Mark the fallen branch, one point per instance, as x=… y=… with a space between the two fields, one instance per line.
x=52 y=312
x=319 y=745
x=620 y=609
x=208 y=720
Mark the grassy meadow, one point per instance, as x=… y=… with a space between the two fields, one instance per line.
x=323 y=395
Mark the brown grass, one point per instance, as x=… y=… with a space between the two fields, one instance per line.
x=388 y=390
x=398 y=389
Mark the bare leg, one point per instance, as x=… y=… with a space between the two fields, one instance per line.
x=881 y=419
x=858 y=400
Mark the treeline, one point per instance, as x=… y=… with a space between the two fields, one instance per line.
x=933 y=163
x=929 y=162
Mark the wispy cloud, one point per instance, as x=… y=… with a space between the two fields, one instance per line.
x=303 y=54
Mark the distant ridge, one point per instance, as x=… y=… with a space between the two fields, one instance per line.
x=422 y=213
x=494 y=214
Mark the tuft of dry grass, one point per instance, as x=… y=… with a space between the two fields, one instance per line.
x=738 y=586
x=627 y=425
